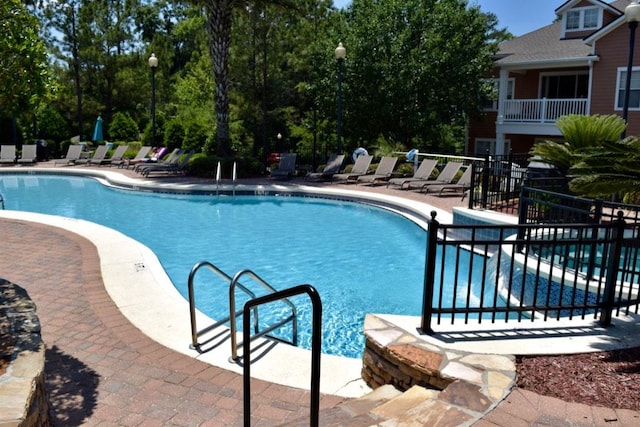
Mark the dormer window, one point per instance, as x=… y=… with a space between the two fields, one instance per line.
x=583 y=18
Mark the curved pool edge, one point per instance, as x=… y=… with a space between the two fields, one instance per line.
x=139 y=287
x=137 y=283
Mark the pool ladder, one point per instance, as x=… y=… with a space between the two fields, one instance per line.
x=234 y=284
x=1 y=202
x=250 y=306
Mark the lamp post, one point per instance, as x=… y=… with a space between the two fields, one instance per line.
x=153 y=64
x=341 y=53
x=632 y=16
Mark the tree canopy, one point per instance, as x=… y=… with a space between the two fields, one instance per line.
x=234 y=74
x=24 y=71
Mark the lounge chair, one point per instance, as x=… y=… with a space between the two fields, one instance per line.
x=98 y=156
x=176 y=166
x=334 y=164
x=383 y=172
x=446 y=176
x=286 y=167
x=423 y=173
x=73 y=154
x=461 y=186
x=156 y=158
x=8 y=154
x=29 y=154
x=139 y=157
x=116 y=157
x=360 y=168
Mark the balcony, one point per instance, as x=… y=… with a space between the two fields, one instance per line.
x=544 y=111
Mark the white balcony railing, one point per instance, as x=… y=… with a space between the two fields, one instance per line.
x=541 y=110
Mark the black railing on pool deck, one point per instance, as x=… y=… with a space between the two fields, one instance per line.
x=522 y=272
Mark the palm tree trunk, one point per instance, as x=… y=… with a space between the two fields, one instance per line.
x=219 y=19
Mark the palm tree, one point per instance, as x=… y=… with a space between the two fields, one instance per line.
x=612 y=168
x=219 y=23
x=580 y=133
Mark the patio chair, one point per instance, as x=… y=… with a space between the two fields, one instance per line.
x=29 y=154
x=286 y=167
x=334 y=164
x=175 y=167
x=446 y=176
x=156 y=158
x=73 y=154
x=140 y=156
x=116 y=157
x=8 y=154
x=383 y=172
x=459 y=187
x=423 y=173
x=360 y=167
x=98 y=156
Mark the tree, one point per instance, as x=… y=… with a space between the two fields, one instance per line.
x=580 y=133
x=219 y=23
x=611 y=167
x=23 y=63
x=123 y=128
x=413 y=67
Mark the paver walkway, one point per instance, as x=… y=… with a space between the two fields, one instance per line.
x=101 y=370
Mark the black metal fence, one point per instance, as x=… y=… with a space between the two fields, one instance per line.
x=542 y=271
x=496 y=183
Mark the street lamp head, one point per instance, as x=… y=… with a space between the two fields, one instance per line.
x=341 y=52
x=153 y=61
x=632 y=12
x=279 y=136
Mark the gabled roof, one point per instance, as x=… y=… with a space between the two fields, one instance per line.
x=544 y=47
x=619 y=6
x=606 y=6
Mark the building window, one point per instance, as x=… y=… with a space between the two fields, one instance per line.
x=573 y=20
x=564 y=85
x=591 y=17
x=584 y=18
x=634 y=93
x=488 y=145
x=491 y=103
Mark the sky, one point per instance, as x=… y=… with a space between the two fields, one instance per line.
x=519 y=16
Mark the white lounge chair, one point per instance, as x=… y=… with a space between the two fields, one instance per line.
x=73 y=154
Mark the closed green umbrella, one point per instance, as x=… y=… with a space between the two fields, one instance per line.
x=97 y=130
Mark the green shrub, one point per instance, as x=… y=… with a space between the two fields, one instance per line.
x=123 y=128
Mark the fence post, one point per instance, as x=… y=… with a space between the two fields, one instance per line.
x=472 y=186
x=429 y=274
x=485 y=181
x=613 y=264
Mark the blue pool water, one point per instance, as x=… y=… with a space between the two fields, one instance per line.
x=361 y=259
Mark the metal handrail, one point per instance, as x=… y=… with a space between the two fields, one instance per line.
x=234 y=283
x=316 y=344
x=1 y=201
x=293 y=318
x=192 y=302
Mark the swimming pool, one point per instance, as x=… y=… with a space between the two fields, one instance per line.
x=362 y=259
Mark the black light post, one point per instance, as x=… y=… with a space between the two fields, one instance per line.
x=341 y=53
x=153 y=64
x=632 y=16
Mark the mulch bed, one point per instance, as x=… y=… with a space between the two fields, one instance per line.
x=610 y=379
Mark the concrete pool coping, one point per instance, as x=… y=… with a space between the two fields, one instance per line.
x=137 y=283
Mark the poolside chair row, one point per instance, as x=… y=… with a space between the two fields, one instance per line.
x=175 y=163
x=443 y=183
x=9 y=154
x=99 y=157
